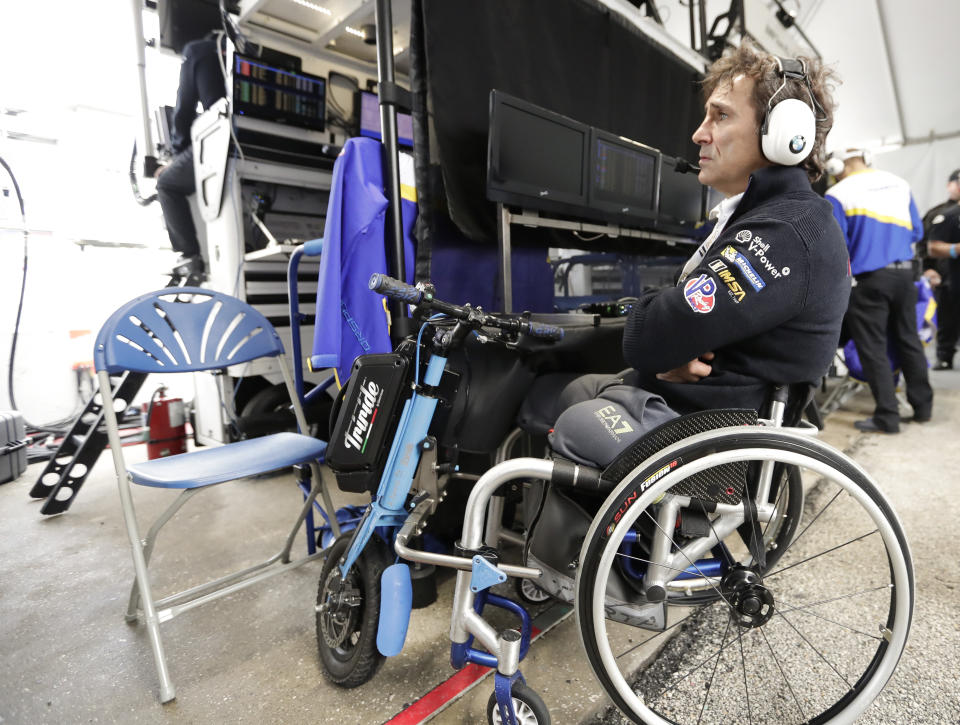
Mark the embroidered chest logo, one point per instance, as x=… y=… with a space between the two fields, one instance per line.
x=613 y=421
x=734 y=289
x=744 y=236
x=699 y=293
x=743 y=264
x=761 y=250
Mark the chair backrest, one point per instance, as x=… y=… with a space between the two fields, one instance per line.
x=182 y=329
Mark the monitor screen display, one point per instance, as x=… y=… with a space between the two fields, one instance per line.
x=535 y=153
x=370 y=120
x=623 y=175
x=681 y=194
x=540 y=151
x=263 y=91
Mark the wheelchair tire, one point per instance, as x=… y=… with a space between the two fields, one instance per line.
x=813 y=637
x=347 y=625
x=527 y=704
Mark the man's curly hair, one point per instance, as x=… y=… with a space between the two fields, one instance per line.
x=762 y=67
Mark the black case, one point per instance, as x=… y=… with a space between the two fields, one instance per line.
x=367 y=419
x=13 y=446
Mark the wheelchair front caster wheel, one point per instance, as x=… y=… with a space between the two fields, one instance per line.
x=530 y=593
x=527 y=704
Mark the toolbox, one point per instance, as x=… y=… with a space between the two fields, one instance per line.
x=13 y=446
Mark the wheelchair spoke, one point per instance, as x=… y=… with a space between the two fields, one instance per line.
x=704 y=662
x=693 y=564
x=713 y=675
x=783 y=674
x=648 y=561
x=814 y=520
x=776 y=506
x=822 y=553
x=746 y=688
x=658 y=634
x=806 y=607
x=818 y=652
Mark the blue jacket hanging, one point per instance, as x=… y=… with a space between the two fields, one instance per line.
x=351 y=320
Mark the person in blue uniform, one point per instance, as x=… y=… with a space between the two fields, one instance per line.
x=761 y=301
x=201 y=81
x=880 y=223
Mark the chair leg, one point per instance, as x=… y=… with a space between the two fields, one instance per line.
x=167 y=692
x=319 y=487
x=131 y=615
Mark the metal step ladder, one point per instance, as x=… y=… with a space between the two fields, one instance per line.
x=66 y=471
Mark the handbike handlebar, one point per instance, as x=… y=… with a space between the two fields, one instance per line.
x=395 y=289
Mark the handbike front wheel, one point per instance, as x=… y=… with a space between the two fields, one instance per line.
x=812 y=638
x=348 y=613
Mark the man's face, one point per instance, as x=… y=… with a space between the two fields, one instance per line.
x=953 y=189
x=728 y=138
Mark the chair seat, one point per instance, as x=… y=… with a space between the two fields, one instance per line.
x=225 y=463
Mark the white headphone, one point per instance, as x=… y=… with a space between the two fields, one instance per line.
x=789 y=128
x=835 y=165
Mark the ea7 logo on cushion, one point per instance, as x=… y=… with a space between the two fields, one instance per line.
x=699 y=293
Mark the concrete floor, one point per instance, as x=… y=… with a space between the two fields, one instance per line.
x=66 y=654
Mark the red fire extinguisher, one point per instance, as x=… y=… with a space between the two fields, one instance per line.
x=166 y=425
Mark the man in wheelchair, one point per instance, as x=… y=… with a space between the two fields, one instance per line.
x=761 y=301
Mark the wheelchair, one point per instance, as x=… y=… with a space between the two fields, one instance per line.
x=726 y=567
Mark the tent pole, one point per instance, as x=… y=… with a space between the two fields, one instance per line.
x=400 y=324
x=893 y=75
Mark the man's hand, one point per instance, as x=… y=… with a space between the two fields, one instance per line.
x=692 y=372
x=933 y=277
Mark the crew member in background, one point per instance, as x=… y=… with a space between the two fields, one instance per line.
x=201 y=80
x=761 y=301
x=943 y=235
x=880 y=222
x=942 y=223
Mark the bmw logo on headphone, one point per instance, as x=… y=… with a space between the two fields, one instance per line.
x=798 y=144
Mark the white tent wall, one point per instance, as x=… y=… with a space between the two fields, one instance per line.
x=926 y=167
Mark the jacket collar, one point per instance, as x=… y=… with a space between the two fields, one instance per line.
x=769 y=182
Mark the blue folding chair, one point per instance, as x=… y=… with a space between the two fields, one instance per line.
x=187 y=329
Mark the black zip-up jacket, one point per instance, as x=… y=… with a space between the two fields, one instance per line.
x=767 y=299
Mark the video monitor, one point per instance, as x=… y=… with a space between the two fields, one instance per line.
x=681 y=196
x=370 y=120
x=535 y=154
x=624 y=176
x=263 y=91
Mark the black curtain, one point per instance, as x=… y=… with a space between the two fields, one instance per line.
x=570 y=56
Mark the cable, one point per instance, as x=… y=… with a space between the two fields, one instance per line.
x=582 y=238
x=54 y=426
x=133 y=181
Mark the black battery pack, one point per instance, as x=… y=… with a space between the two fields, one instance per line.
x=367 y=419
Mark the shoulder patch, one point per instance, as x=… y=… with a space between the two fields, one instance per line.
x=700 y=293
x=743 y=264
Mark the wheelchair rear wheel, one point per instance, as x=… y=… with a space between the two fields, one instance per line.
x=811 y=637
x=348 y=612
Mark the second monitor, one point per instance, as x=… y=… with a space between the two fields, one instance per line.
x=623 y=177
